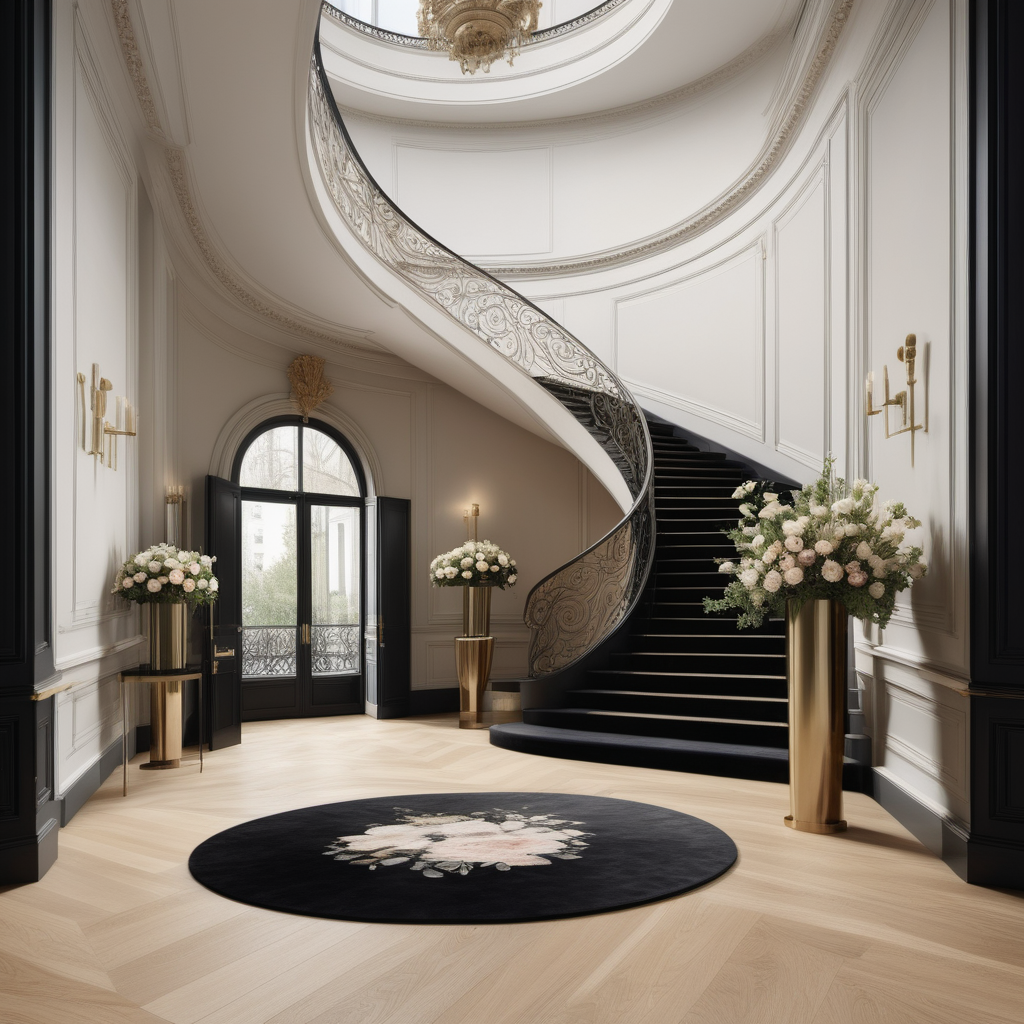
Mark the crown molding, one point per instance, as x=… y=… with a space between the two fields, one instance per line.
x=245 y=293
x=630 y=112
x=820 y=55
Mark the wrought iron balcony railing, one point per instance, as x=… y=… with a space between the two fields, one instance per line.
x=577 y=606
x=273 y=650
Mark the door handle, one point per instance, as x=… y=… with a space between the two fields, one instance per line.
x=380 y=629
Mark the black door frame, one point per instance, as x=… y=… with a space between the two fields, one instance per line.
x=303 y=501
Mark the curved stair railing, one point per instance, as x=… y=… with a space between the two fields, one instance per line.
x=575 y=608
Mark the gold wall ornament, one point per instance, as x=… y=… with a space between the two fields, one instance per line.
x=476 y=33
x=103 y=435
x=903 y=400
x=310 y=387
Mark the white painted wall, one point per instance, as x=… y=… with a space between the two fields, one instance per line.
x=424 y=441
x=758 y=331
x=570 y=186
x=95 y=320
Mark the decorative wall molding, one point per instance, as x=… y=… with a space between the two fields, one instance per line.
x=258 y=411
x=819 y=179
x=628 y=114
x=86 y=615
x=135 y=66
x=727 y=201
x=102 y=651
x=175 y=162
x=890 y=46
x=951 y=770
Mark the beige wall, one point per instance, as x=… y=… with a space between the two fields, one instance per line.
x=421 y=440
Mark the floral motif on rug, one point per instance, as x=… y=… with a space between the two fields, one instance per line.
x=435 y=844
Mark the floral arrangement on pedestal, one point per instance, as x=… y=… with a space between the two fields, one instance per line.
x=832 y=542
x=477 y=563
x=163 y=574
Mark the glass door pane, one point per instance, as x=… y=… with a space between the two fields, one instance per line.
x=269 y=591
x=335 y=579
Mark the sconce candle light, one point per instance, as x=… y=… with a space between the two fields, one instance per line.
x=903 y=400
x=105 y=434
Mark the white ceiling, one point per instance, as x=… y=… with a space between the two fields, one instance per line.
x=640 y=50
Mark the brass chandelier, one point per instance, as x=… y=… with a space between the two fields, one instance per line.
x=476 y=33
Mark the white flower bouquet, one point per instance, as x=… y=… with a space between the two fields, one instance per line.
x=477 y=563
x=163 y=574
x=831 y=542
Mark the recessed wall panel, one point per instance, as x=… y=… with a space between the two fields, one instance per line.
x=698 y=343
x=801 y=309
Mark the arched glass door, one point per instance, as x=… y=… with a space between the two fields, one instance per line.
x=301 y=563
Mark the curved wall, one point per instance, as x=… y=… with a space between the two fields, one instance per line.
x=757 y=329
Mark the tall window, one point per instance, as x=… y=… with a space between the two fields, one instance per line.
x=301 y=558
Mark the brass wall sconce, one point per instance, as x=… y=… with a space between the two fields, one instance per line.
x=903 y=400
x=466 y=514
x=103 y=435
x=176 y=507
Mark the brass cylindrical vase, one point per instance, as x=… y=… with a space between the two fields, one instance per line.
x=168 y=652
x=473 y=653
x=816 y=675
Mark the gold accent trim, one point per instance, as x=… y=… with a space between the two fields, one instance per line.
x=50 y=691
x=310 y=387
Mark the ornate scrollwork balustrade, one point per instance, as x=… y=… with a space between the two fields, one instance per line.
x=273 y=650
x=578 y=605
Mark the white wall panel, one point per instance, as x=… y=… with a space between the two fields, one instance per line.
x=473 y=200
x=95 y=290
x=802 y=287
x=698 y=343
x=908 y=290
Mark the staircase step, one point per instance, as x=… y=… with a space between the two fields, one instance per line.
x=731 y=760
x=689 y=705
x=765 y=734
x=728 y=684
x=701 y=659
x=736 y=641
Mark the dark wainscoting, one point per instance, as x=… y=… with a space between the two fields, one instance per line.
x=28 y=814
x=995 y=853
x=434 y=702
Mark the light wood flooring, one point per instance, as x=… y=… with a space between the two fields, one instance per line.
x=864 y=927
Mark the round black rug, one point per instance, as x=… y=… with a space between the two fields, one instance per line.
x=463 y=858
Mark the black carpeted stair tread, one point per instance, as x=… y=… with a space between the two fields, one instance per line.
x=678 y=727
x=732 y=760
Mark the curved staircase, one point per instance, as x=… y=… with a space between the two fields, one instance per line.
x=690 y=691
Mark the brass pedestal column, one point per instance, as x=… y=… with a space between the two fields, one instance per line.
x=816 y=674
x=168 y=651
x=473 y=653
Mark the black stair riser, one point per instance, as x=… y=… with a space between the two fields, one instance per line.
x=681 y=704
x=755 y=663
x=711 y=732
x=710 y=642
x=660 y=682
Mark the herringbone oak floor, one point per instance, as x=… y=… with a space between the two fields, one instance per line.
x=864 y=927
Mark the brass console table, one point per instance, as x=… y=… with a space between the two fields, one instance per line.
x=142 y=676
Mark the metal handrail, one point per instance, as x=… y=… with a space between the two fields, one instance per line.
x=574 y=608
